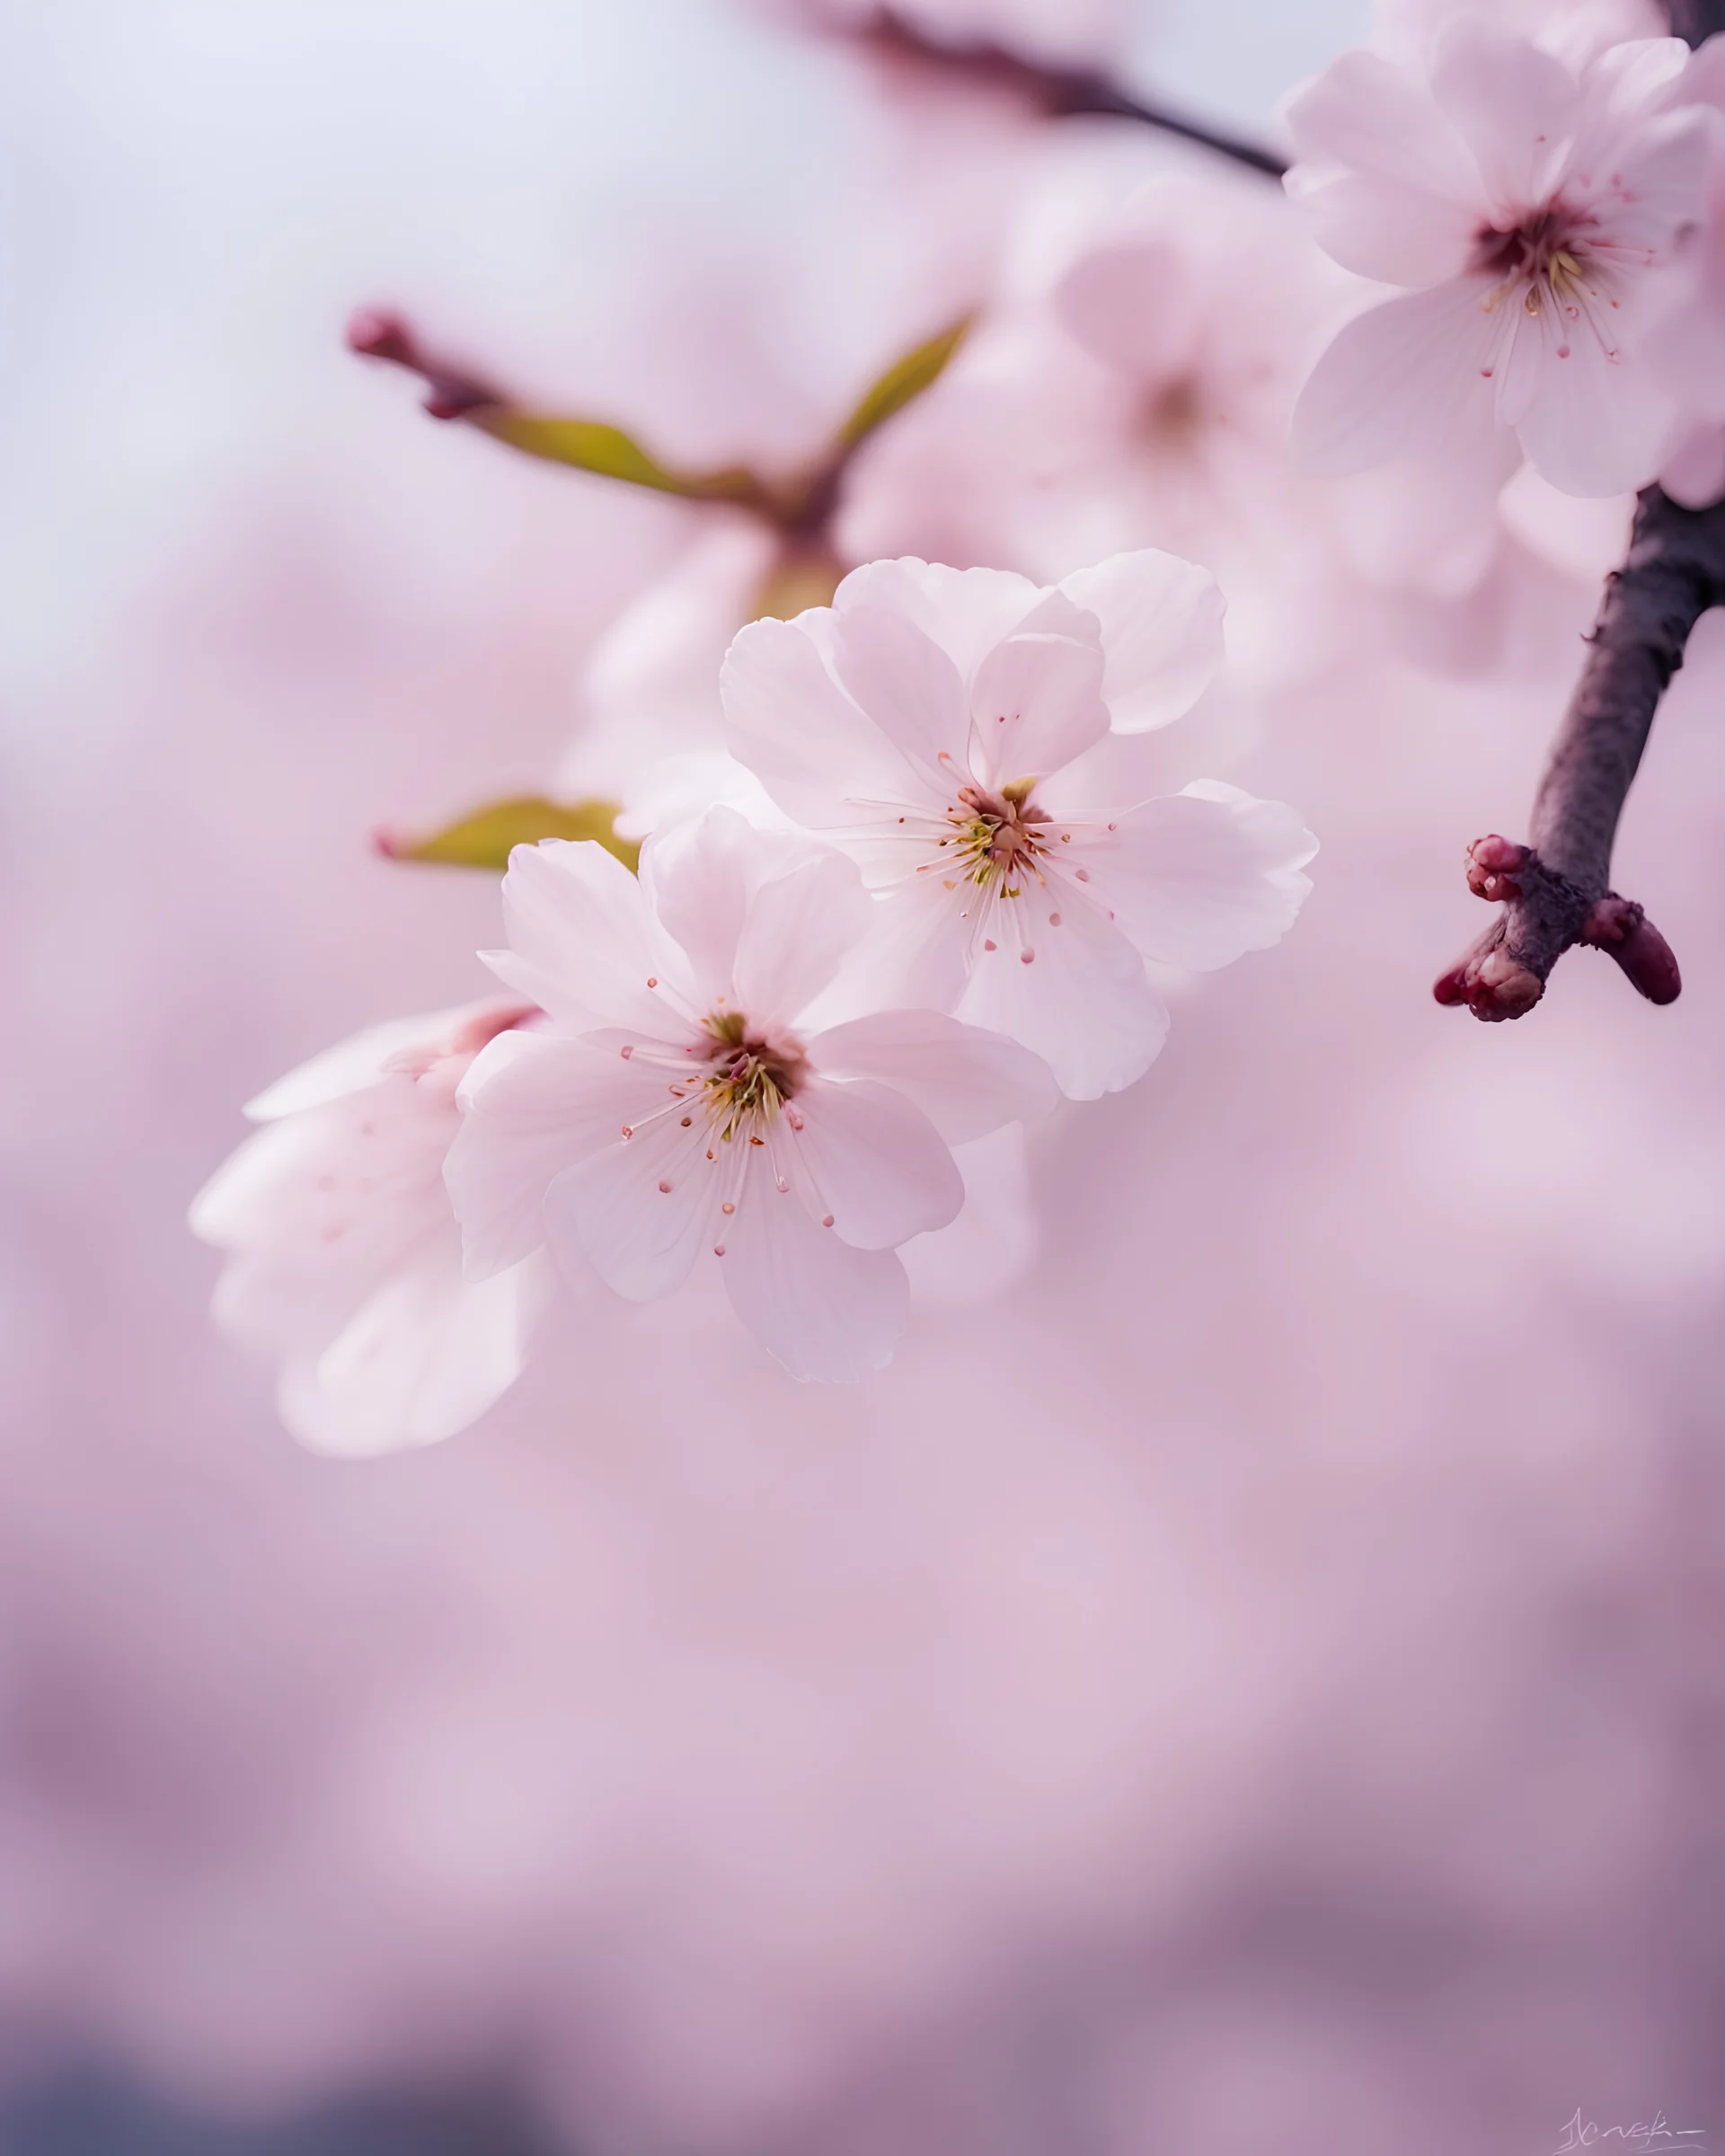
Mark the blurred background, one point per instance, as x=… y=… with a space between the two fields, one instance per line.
x=1255 y=1685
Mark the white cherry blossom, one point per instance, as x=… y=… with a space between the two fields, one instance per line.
x=966 y=735
x=344 y=1255
x=1536 y=209
x=680 y=1101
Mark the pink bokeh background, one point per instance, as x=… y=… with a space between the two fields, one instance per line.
x=1255 y=1685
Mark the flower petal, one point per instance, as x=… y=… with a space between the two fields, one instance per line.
x=1081 y=1002
x=1512 y=103
x=796 y=933
x=615 y=1210
x=583 y=941
x=827 y=1312
x=965 y=611
x=1196 y=877
x=871 y=1159
x=424 y=1357
x=703 y=877
x=909 y=687
x=1385 y=229
x=534 y=1103
x=1036 y=701
x=967 y=1082
x=795 y=728
x=1161 y=627
x=1410 y=378
x=1368 y=116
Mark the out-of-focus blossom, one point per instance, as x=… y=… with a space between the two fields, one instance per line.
x=1130 y=386
x=1573 y=31
x=1687 y=348
x=1535 y=211
x=345 y=1260
x=951 y=727
x=680 y=1100
x=652 y=738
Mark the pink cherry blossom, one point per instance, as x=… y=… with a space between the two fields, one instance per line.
x=1536 y=211
x=344 y=1256
x=680 y=1102
x=966 y=735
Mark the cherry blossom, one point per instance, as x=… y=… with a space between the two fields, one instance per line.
x=680 y=1100
x=967 y=737
x=1536 y=211
x=344 y=1255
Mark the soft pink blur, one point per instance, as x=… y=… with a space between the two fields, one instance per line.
x=1255 y=1685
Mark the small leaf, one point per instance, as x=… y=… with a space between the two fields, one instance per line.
x=904 y=379
x=592 y=446
x=484 y=839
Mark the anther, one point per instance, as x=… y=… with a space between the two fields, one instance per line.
x=1027 y=958
x=826 y=1220
x=1053 y=920
x=666 y=1188
x=627 y=1053
x=988 y=943
x=718 y=1250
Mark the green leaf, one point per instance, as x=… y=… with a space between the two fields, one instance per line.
x=592 y=446
x=905 y=378
x=484 y=839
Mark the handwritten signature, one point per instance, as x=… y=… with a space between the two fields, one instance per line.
x=1647 y=2137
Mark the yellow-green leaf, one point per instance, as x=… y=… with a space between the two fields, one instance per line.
x=484 y=839
x=905 y=378
x=593 y=446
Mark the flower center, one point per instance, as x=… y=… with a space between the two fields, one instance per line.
x=751 y=1076
x=1545 y=252
x=999 y=835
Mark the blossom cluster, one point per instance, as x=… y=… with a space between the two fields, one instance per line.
x=762 y=1049
x=922 y=859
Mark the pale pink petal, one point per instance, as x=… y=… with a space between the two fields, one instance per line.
x=913 y=956
x=965 y=611
x=828 y=1311
x=870 y=1159
x=1512 y=103
x=1383 y=229
x=1367 y=116
x=1133 y=305
x=1197 y=878
x=534 y=1103
x=424 y=1357
x=702 y=878
x=583 y=939
x=797 y=932
x=1410 y=378
x=1081 y=1001
x=352 y=1064
x=1161 y=626
x=1592 y=423
x=1037 y=702
x=645 y=1208
x=791 y=723
x=908 y=687
x=1663 y=176
x=1694 y=472
x=965 y=1081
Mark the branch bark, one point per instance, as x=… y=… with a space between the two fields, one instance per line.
x=1555 y=891
x=1059 y=92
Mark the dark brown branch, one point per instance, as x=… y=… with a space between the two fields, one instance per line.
x=1557 y=890
x=1059 y=92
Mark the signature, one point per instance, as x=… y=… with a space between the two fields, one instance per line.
x=1647 y=2137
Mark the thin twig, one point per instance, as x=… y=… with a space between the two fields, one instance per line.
x=1060 y=92
x=1556 y=891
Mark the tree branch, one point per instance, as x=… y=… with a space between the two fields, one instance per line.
x=1556 y=891
x=1059 y=92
